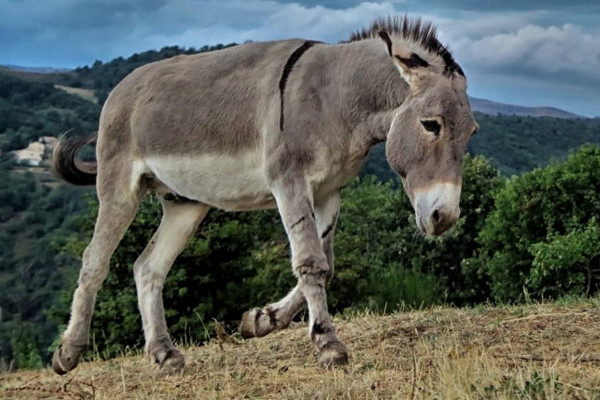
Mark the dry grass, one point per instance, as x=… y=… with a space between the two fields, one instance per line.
x=548 y=351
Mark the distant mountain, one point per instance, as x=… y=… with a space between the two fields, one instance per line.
x=38 y=70
x=492 y=108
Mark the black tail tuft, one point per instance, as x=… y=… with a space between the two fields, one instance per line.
x=65 y=164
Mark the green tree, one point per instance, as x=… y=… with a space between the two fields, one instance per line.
x=539 y=207
x=567 y=263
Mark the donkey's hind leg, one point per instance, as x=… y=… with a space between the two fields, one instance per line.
x=179 y=222
x=116 y=211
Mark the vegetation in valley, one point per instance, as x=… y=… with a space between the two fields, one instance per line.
x=30 y=109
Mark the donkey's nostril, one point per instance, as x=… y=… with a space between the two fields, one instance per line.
x=436 y=216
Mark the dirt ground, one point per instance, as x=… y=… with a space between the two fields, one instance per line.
x=541 y=351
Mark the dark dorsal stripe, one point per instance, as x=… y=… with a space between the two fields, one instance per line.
x=288 y=69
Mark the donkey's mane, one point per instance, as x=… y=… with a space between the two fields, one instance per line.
x=413 y=30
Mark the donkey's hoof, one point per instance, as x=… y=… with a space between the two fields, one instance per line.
x=170 y=361
x=66 y=357
x=333 y=354
x=255 y=323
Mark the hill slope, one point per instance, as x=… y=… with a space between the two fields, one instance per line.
x=528 y=352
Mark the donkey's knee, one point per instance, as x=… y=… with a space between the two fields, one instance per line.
x=93 y=271
x=312 y=270
x=313 y=277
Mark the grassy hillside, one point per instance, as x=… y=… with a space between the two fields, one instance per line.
x=516 y=144
x=547 y=351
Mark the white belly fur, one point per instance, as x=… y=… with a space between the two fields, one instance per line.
x=238 y=183
x=227 y=182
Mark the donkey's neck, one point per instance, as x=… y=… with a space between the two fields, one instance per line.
x=370 y=88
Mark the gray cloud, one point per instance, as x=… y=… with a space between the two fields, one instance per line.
x=565 y=52
x=550 y=42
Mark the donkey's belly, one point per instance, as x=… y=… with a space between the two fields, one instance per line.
x=235 y=183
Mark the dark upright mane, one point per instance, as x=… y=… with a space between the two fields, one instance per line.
x=424 y=34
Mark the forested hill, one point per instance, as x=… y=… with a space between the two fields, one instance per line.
x=515 y=144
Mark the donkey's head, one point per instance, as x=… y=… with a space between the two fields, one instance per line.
x=429 y=133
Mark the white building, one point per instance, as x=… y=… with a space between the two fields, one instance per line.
x=36 y=152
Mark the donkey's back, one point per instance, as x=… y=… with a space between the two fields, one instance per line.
x=206 y=103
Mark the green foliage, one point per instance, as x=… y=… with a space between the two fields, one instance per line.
x=24 y=345
x=34 y=222
x=540 y=207
x=567 y=263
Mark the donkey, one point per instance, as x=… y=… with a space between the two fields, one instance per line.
x=281 y=124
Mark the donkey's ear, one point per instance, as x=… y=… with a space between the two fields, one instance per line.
x=410 y=64
x=412 y=67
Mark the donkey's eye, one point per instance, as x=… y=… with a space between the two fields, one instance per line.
x=432 y=125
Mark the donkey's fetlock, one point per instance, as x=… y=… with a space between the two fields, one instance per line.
x=166 y=357
x=257 y=323
x=67 y=357
x=333 y=354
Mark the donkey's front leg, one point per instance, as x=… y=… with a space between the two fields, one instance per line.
x=259 y=322
x=310 y=265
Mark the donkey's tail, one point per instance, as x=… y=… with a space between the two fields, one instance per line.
x=65 y=164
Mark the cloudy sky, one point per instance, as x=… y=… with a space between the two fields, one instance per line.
x=528 y=52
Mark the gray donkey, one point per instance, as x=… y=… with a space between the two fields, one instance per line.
x=281 y=124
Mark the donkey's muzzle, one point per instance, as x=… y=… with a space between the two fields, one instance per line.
x=442 y=220
x=437 y=208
